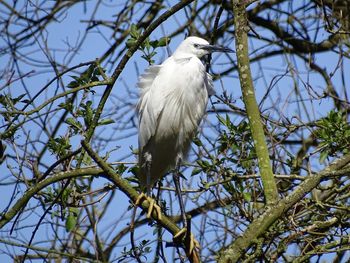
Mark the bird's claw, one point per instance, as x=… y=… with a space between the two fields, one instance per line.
x=180 y=233
x=152 y=205
x=193 y=243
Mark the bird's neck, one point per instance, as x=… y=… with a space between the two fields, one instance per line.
x=183 y=55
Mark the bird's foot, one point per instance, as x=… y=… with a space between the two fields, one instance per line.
x=152 y=205
x=190 y=241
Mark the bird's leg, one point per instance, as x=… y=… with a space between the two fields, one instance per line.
x=152 y=204
x=176 y=178
x=148 y=164
x=186 y=230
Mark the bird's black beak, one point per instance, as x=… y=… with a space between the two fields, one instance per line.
x=212 y=48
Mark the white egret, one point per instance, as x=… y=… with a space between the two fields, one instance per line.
x=172 y=103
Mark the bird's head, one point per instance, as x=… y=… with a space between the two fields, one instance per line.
x=198 y=47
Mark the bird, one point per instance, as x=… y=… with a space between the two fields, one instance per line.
x=172 y=103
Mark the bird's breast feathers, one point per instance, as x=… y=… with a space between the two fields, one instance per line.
x=173 y=99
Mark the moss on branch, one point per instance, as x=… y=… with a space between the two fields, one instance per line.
x=253 y=113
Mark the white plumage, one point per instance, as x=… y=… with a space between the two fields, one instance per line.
x=172 y=103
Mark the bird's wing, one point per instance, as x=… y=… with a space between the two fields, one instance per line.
x=154 y=91
x=149 y=106
x=146 y=79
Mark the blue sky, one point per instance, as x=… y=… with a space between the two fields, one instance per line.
x=70 y=30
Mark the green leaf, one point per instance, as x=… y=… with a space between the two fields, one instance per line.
x=74 y=210
x=73 y=84
x=25 y=101
x=134 y=32
x=71 y=222
x=86 y=76
x=105 y=122
x=15 y=100
x=134 y=170
x=68 y=105
x=146 y=44
x=87 y=159
x=196 y=171
x=130 y=42
x=3 y=100
x=221 y=120
x=323 y=156
x=88 y=113
x=247 y=196
x=59 y=146
x=121 y=169
x=65 y=195
x=74 y=123
x=97 y=71
x=162 y=42
x=197 y=141
x=154 y=43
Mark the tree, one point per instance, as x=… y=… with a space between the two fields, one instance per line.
x=268 y=174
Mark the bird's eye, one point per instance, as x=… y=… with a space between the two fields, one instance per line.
x=196 y=45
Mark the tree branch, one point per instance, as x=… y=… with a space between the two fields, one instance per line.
x=127 y=189
x=253 y=113
x=273 y=212
x=22 y=202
